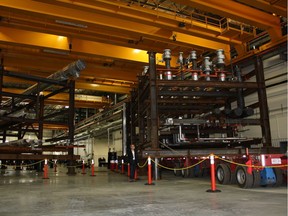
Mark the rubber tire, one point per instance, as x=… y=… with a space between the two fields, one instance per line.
x=244 y=180
x=223 y=174
x=256 y=178
x=177 y=172
x=279 y=177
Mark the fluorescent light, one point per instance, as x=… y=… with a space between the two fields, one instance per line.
x=136 y=51
x=52 y=51
x=78 y=25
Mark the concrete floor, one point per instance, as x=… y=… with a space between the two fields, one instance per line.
x=109 y=193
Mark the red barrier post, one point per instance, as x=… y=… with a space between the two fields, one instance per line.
x=45 y=169
x=128 y=170
x=112 y=164
x=149 y=172
x=213 y=179
x=122 y=167
x=116 y=165
x=92 y=168
x=83 y=168
x=136 y=174
x=55 y=166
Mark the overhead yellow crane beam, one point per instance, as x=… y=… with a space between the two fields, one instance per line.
x=152 y=29
x=238 y=12
x=86 y=85
x=51 y=43
x=266 y=6
x=167 y=23
x=34 y=64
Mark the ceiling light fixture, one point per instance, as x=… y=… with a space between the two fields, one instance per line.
x=59 y=52
x=78 y=25
x=136 y=51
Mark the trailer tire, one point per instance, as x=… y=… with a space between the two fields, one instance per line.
x=223 y=174
x=256 y=178
x=244 y=180
x=279 y=177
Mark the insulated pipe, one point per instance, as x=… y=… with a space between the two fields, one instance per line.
x=166 y=59
x=220 y=58
x=23 y=142
x=220 y=64
x=193 y=59
x=181 y=61
x=207 y=67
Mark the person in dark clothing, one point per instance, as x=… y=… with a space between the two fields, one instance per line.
x=133 y=161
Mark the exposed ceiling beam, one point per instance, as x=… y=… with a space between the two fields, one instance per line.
x=44 y=66
x=266 y=6
x=152 y=27
x=52 y=43
x=238 y=12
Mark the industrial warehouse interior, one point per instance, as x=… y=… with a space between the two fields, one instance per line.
x=198 y=87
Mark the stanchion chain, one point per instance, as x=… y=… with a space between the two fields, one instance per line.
x=183 y=168
x=24 y=165
x=142 y=166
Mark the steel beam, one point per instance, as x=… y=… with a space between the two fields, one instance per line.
x=44 y=41
x=237 y=12
x=70 y=71
x=200 y=152
x=98 y=70
x=179 y=93
x=206 y=84
x=263 y=104
x=224 y=121
x=189 y=101
x=81 y=101
x=33 y=78
x=266 y=6
x=147 y=23
x=71 y=125
x=153 y=97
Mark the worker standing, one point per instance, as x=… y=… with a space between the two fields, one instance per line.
x=132 y=160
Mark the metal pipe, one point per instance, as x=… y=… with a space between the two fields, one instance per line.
x=207 y=67
x=23 y=142
x=166 y=59
x=263 y=105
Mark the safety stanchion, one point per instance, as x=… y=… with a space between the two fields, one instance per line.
x=149 y=172
x=92 y=168
x=112 y=165
x=122 y=167
x=45 y=169
x=136 y=174
x=128 y=170
x=83 y=168
x=116 y=165
x=55 y=166
x=213 y=180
